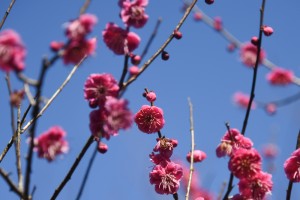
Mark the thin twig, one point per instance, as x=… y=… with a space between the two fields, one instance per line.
x=252 y=94
x=153 y=35
x=74 y=166
x=25 y=79
x=28 y=94
x=165 y=44
x=7 y=13
x=85 y=7
x=11 y=184
x=18 y=149
x=6 y=149
x=124 y=72
x=87 y=172
x=175 y=196
x=192 y=149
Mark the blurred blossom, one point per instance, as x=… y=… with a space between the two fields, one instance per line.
x=270 y=150
x=133 y=13
x=248 y=53
x=51 y=143
x=279 y=76
x=243 y=100
x=292 y=166
x=12 y=51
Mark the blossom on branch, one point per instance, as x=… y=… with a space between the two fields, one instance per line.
x=51 y=143
x=133 y=13
x=243 y=100
x=119 y=40
x=166 y=177
x=98 y=87
x=12 y=51
x=199 y=156
x=149 y=119
x=292 y=166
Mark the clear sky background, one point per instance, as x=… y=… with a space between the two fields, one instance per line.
x=199 y=67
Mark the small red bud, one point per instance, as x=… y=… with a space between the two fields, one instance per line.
x=102 y=148
x=254 y=40
x=177 y=34
x=267 y=30
x=218 y=23
x=145 y=94
x=56 y=46
x=209 y=2
x=197 y=16
x=133 y=70
x=231 y=47
x=151 y=96
x=165 y=55
x=136 y=59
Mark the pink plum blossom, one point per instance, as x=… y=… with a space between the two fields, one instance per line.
x=12 y=51
x=151 y=96
x=79 y=28
x=109 y=119
x=165 y=146
x=166 y=177
x=232 y=141
x=257 y=187
x=133 y=70
x=98 y=87
x=243 y=100
x=77 y=49
x=245 y=163
x=158 y=158
x=51 y=143
x=119 y=40
x=149 y=119
x=133 y=13
x=248 y=54
x=280 y=76
x=199 y=156
x=292 y=166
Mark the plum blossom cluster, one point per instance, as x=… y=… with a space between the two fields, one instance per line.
x=248 y=54
x=246 y=164
x=78 y=45
x=280 y=76
x=165 y=174
x=112 y=113
x=51 y=143
x=122 y=41
x=12 y=51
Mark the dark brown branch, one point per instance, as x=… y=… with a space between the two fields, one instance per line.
x=74 y=166
x=165 y=44
x=153 y=35
x=87 y=172
x=124 y=72
x=7 y=13
x=11 y=184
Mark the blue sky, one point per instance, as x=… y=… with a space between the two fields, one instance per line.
x=199 y=67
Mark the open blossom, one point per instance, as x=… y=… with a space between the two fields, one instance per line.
x=51 y=143
x=199 y=156
x=165 y=146
x=149 y=119
x=232 y=141
x=280 y=76
x=98 y=87
x=77 y=49
x=109 y=119
x=12 y=51
x=166 y=177
x=119 y=40
x=133 y=13
x=243 y=100
x=245 y=163
x=118 y=115
x=79 y=28
x=248 y=54
x=292 y=166
x=256 y=187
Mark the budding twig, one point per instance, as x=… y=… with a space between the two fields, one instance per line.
x=11 y=184
x=192 y=149
x=7 y=13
